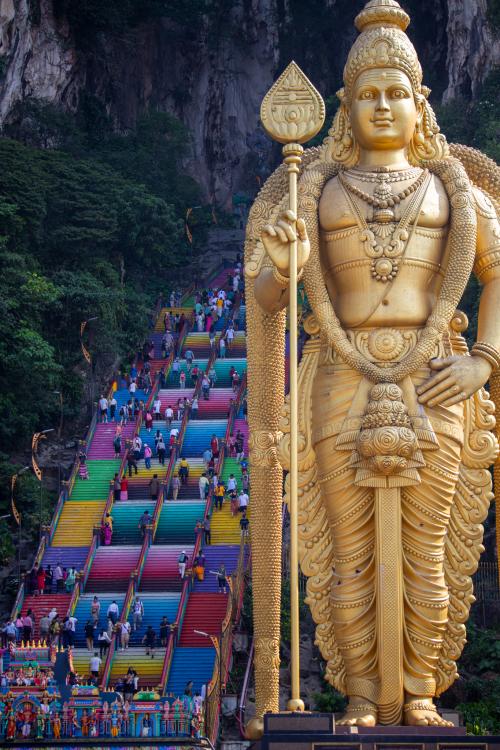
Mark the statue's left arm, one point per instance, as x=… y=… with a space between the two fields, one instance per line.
x=458 y=378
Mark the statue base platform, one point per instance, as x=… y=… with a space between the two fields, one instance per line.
x=314 y=731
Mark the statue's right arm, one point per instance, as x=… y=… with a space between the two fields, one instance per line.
x=270 y=295
x=271 y=285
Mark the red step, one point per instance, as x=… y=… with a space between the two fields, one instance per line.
x=203 y=612
x=41 y=605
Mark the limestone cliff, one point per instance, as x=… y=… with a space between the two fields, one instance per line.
x=213 y=72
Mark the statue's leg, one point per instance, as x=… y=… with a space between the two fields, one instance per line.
x=425 y=517
x=351 y=515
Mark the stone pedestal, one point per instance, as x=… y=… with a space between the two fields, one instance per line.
x=312 y=731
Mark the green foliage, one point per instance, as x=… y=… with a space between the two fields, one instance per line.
x=329 y=700
x=494 y=14
x=475 y=123
x=88 y=18
x=285 y=624
x=91 y=226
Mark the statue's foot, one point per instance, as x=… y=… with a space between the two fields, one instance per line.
x=423 y=713
x=359 y=713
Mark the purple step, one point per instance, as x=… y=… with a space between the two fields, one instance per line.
x=67 y=556
x=215 y=555
x=102 y=442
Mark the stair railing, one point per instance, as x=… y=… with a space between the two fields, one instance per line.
x=244 y=690
x=223 y=650
x=129 y=596
x=179 y=620
x=19 y=601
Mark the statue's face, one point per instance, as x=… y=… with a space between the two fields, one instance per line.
x=383 y=109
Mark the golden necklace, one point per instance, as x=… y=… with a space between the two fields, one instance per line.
x=384 y=240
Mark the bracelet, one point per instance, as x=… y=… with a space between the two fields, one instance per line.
x=284 y=281
x=362 y=708
x=419 y=706
x=487 y=352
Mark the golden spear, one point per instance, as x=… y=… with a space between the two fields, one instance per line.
x=292 y=112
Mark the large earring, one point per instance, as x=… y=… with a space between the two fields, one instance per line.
x=428 y=143
x=340 y=143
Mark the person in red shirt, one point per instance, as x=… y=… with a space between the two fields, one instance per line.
x=214 y=446
x=124 y=488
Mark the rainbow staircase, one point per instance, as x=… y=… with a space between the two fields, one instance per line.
x=147 y=566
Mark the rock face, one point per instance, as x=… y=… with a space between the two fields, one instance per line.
x=213 y=74
x=473 y=49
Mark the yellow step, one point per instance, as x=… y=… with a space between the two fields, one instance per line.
x=76 y=523
x=148 y=669
x=226 y=529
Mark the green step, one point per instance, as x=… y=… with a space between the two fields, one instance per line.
x=126 y=521
x=231 y=466
x=96 y=487
x=177 y=522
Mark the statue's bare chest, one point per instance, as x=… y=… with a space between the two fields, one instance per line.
x=359 y=254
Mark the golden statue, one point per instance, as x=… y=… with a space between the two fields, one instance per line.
x=395 y=427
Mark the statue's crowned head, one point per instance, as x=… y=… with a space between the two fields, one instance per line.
x=383 y=54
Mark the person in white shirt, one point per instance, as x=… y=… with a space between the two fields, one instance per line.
x=175 y=432
x=95 y=664
x=230 y=337
x=112 y=408
x=113 y=612
x=157 y=408
x=231 y=483
x=243 y=499
x=126 y=628
x=137 y=613
x=169 y=415
x=222 y=348
x=103 y=408
x=132 y=388
x=203 y=484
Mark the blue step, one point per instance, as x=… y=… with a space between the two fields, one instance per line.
x=155 y=607
x=199 y=433
x=190 y=663
x=82 y=613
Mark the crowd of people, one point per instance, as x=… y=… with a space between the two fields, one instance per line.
x=210 y=306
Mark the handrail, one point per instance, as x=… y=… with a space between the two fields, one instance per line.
x=244 y=689
x=19 y=601
x=88 y=562
x=123 y=617
x=223 y=649
x=179 y=619
x=74 y=598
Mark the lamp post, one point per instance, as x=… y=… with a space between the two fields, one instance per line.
x=17 y=517
x=88 y=358
x=37 y=436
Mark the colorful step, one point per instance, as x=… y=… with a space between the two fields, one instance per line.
x=190 y=664
x=42 y=605
x=161 y=570
x=96 y=487
x=205 y=611
x=177 y=521
x=76 y=523
x=82 y=613
x=111 y=568
x=126 y=517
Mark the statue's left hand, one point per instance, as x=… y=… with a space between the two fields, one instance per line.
x=456 y=379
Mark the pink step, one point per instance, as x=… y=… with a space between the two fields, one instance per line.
x=102 y=442
x=170 y=396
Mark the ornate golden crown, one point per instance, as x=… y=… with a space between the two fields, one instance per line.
x=383 y=43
